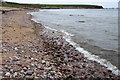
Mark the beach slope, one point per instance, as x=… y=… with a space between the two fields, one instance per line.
x=31 y=51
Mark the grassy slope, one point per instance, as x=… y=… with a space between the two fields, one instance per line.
x=64 y=6
x=9 y=5
x=17 y=5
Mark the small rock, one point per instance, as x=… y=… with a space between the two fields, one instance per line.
x=109 y=71
x=29 y=73
x=70 y=15
x=7 y=74
x=32 y=65
x=32 y=58
x=5 y=50
x=48 y=68
x=1 y=72
x=22 y=71
x=47 y=63
x=22 y=51
x=15 y=74
x=43 y=61
x=81 y=21
x=16 y=48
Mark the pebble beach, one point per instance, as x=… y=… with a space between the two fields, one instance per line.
x=29 y=50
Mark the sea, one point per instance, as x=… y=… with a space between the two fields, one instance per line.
x=94 y=32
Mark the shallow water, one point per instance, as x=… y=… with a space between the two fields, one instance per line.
x=96 y=30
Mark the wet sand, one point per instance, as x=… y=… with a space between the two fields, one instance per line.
x=31 y=51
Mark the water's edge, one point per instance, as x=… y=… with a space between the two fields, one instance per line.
x=87 y=54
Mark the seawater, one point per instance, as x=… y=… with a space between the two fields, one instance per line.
x=92 y=30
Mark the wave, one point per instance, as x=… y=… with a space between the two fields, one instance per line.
x=88 y=55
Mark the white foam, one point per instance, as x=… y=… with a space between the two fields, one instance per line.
x=50 y=28
x=92 y=57
x=66 y=33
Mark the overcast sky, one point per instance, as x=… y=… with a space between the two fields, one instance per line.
x=104 y=3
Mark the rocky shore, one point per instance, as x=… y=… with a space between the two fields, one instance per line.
x=31 y=51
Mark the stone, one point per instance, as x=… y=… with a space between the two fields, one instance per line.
x=19 y=64
x=32 y=58
x=81 y=21
x=22 y=51
x=5 y=50
x=15 y=74
x=109 y=71
x=1 y=72
x=16 y=48
x=47 y=68
x=29 y=73
x=22 y=71
x=47 y=63
x=11 y=70
x=32 y=65
x=7 y=74
x=43 y=61
x=70 y=15
x=24 y=68
x=40 y=67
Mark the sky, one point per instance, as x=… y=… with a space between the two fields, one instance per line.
x=104 y=3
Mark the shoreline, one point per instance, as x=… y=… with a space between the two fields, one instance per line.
x=53 y=49
x=61 y=36
x=67 y=37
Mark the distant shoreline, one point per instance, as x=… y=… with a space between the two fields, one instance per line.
x=51 y=6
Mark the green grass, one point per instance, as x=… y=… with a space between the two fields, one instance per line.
x=9 y=5
x=65 y=5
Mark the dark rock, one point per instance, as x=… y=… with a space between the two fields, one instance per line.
x=81 y=21
x=70 y=77
x=70 y=15
x=3 y=12
x=109 y=71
